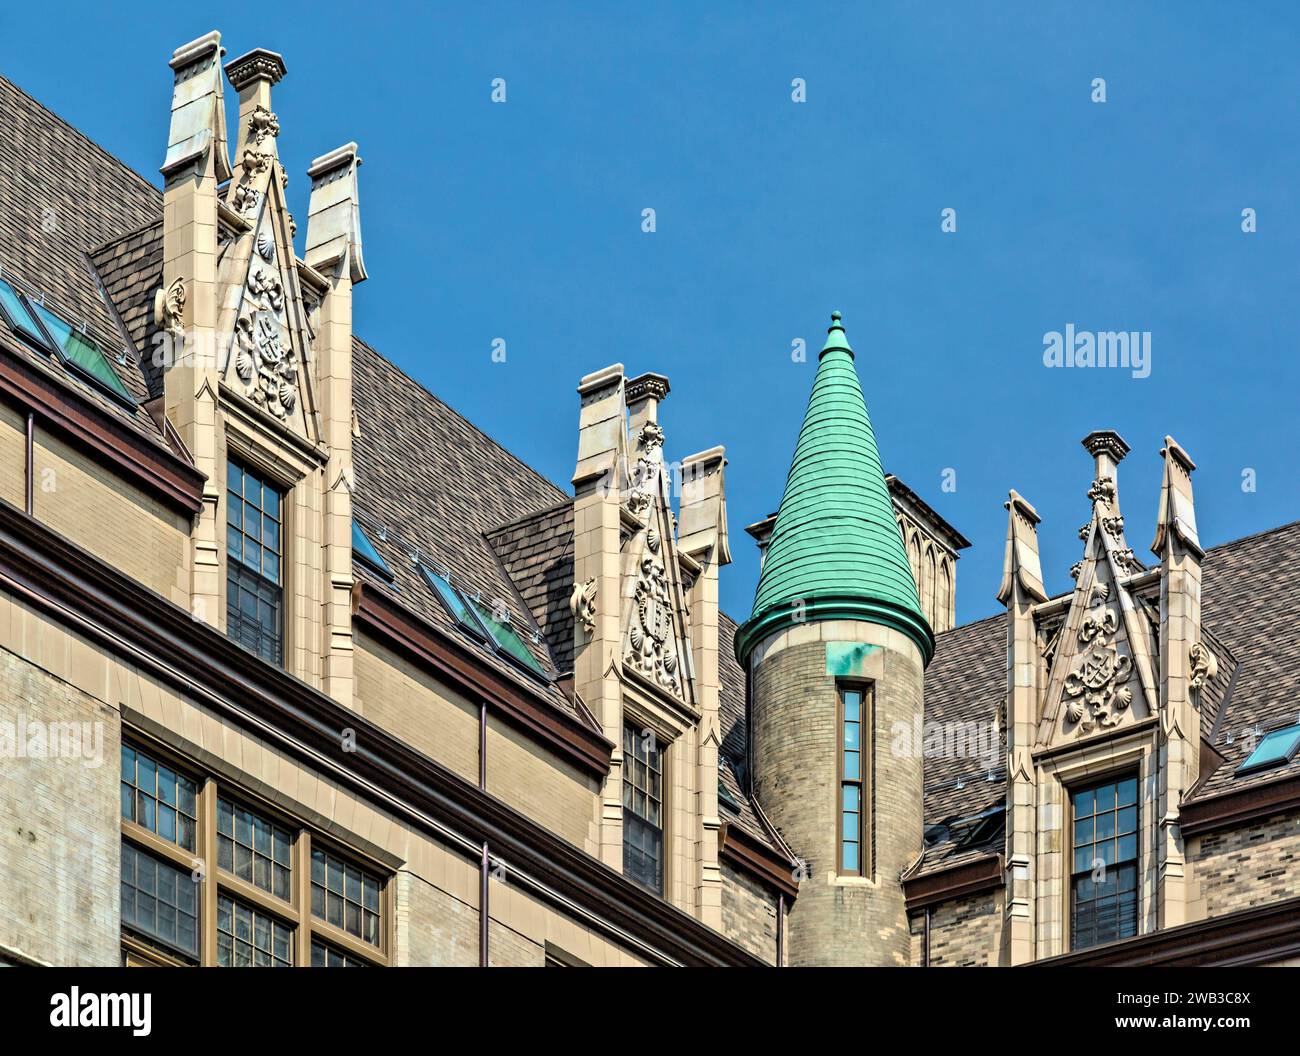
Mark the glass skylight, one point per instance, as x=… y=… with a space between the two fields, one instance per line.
x=81 y=352
x=17 y=315
x=1274 y=749
x=482 y=623
x=363 y=548
x=507 y=639
x=455 y=604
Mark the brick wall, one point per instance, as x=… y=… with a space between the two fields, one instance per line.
x=1254 y=865
x=748 y=913
x=60 y=848
x=113 y=520
x=839 y=920
x=964 y=933
x=434 y=929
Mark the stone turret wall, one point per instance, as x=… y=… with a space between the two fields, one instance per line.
x=839 y=920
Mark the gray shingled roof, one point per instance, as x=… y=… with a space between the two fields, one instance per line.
x=61 y=198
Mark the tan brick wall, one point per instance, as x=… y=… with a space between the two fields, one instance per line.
x=110 y=518
x=1254 y=865
x=748 y=913
x=965 y=933
x=433 y=928
x=540 y=786
x=838 y=920
x=508 y=949
x=60 y=848
x=409 y=704
x=13 y=456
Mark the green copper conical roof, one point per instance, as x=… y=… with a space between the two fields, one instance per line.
x=836 y=552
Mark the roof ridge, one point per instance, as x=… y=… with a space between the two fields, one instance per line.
x=520 y=521
x=82 y=136
x=434 y=396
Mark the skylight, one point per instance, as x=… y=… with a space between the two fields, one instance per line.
x=17 y=315
x=363 y=548
x=507 y=640
x=80 y=352
x=457 y=606
x=1275 y=749
x=482 y=623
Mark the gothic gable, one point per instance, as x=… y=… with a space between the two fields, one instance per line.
x=263 y=318
x=1102 y=667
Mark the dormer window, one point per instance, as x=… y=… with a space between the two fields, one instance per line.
x=254 y=563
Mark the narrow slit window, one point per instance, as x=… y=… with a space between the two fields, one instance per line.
x=1104 y=872
x=254 y=563
x=854 y=775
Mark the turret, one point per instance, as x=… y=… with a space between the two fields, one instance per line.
x=835 y=651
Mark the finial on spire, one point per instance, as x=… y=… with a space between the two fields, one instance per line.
x=835 y=336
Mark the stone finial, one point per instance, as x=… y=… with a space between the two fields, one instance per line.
x=644 y=394
x=334 y=213
x=1021 y=566
x=258 y=64
x=198 y=121
x=1107 y=448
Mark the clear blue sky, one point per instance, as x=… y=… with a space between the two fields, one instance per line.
x=522 y=221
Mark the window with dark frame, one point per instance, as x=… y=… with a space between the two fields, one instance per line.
x=250 y=938
x=345 y=896
x=254 y=563
x=1104 y=871
x=167 y=902
x=643 y=824
x=254 y=849
x=855 y=768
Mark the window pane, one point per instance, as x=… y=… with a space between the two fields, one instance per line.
x=159 y=900
x=345 y=895
x=157 y=798
x=258 y=850
x=248 y=937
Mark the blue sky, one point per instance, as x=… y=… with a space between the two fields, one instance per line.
x=522 y=222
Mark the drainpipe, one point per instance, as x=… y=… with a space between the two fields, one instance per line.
x=925 y=949
x=483 y=909
x=31 y=463
x=484 y=866
x=780 y=931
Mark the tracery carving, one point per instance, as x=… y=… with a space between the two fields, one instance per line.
x=1102 y=491
x=649 y=463
x=169 y=311
x=650 y=634
x=1095 y=688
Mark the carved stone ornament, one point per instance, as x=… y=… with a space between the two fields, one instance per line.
x=1113 y=526
x=244 y=199
x=582 y=603
x=645 y=475
x=1102 y=491
x=169 y=311
x=1204 y=666
x=651 y=632
x=1096 y=691
x=262 y=360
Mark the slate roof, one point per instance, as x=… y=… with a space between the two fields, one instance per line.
x=430 y=482
x=61 y=198
x=1250 y=616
